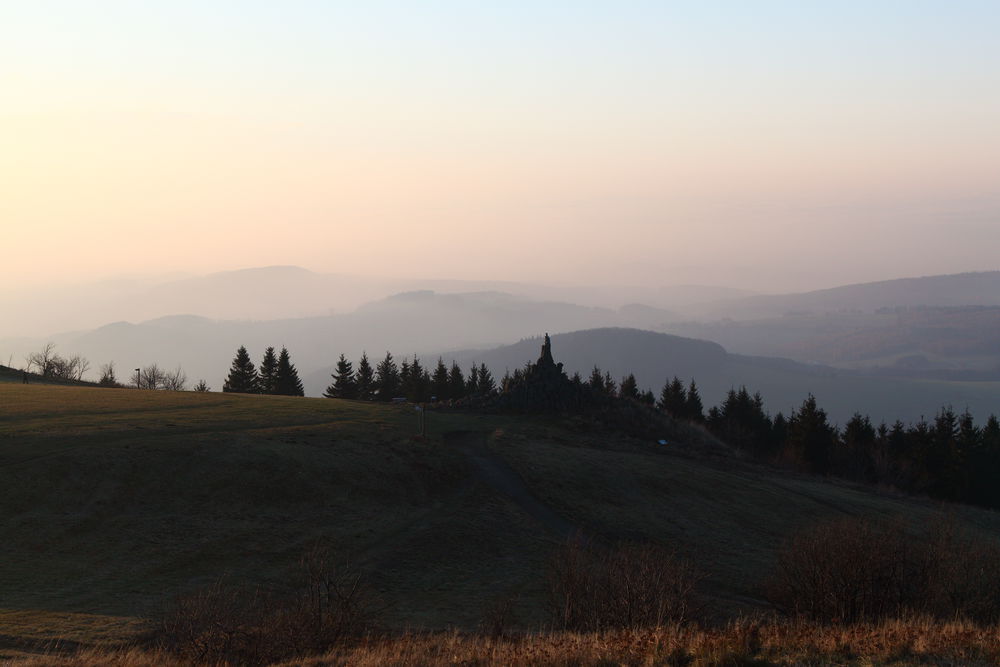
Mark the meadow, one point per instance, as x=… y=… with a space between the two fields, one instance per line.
x=116 y=501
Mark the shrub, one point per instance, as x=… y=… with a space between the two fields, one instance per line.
x=863 y=569
x=845 y=571
x=962 y=573
x=629 y=586
x=239 y=624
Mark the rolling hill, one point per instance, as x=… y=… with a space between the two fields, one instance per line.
x=116 y=500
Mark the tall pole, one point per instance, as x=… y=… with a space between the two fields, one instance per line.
x=138 y=385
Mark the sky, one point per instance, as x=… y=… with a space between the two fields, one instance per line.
x=767 y=145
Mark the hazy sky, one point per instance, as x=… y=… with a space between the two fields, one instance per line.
x=770 y=145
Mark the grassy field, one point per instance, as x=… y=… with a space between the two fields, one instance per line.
x=114 y=501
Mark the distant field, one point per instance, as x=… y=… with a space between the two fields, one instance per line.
x=116 y=500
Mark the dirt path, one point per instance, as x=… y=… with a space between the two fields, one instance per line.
x=495 y=472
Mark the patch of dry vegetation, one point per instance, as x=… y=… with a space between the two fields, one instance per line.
x=861 y=569
x=897 y=642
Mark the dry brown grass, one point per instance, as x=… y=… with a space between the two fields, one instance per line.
x=913 y=641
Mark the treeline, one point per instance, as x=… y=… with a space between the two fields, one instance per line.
x=949 y=457
x=277 y=374
x=410 y=380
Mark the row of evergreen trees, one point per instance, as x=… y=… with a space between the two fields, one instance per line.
x=949 y=457
x=408 y=379
x=277 y=374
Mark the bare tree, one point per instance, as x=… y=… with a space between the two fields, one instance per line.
x=151 y=377
x=174 y=381
x=47 y=363
x=41 y=361
x=202 y=386
x=76 y=367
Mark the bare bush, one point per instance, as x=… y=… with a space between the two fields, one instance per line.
x=861 y=569
x=175 y=380
x=629 y=586
x=845 y=571
x=962 y=573
x=243 y=625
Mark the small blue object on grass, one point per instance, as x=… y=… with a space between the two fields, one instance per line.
x=662 y=442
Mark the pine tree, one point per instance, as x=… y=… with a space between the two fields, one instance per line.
x=629 y=388
x=417 y=384
x=693 y=408
x=506 y=381
x=242 y=375
x=440 y=386
x=596 y=381
x=610 y=386
x=343 y=385
x=365 y=379
x=268 y=372
x=487 y=384
x=854 y=457
x=286 y=378
x=456 y=382
x=984 y=465
x=472 y=384
x=673 y=398
x=811 y=436
x=387 y=378
x=404 y=377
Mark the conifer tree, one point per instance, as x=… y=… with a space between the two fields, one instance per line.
x=487 y=384
x=365 y=379
x=440 y=386
x=418 y=382
x=286 y=377
x=268 y=372
x=610 y=386
x=404 y=377
x=693 y=408
x=811 y=436
x=629 y=388
x=456 y=382
x=242 y=375
x=343 y=385
x=387 y=378
x=596 y=380
x=673 y=398
x=472 y=384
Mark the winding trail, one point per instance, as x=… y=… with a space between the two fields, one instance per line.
x=495 y=472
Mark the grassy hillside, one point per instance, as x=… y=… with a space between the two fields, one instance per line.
x=9 y=375
x=115 y=500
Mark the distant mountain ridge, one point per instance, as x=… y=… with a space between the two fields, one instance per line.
x=960 y=289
